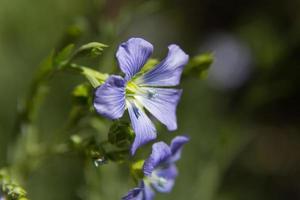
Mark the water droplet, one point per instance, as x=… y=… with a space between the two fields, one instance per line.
x=100 y=161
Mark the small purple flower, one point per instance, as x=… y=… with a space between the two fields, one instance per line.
x=159 y=170
x=2 y=197
x=138 y=90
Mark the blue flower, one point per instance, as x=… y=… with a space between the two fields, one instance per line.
x=137 y=91
x=159 y=170
x=2 y=197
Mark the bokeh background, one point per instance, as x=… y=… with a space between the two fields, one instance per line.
x=243 y=118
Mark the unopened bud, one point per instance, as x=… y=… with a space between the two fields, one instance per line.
x=120 y=134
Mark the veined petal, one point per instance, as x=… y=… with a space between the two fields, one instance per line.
x=161 y=152
x=109 y=99
x=162 y=103
x=163 y=179
x=164 y=186
x=134 y=194
x=132 y=55
x=143 y=127
x=167 y=72
x=168 y=171
x=148 y=192
x=144 y=192
x=176 y=147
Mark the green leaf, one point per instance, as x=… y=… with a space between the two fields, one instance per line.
x=198 y=65
x=45 y=67
x=64 y=55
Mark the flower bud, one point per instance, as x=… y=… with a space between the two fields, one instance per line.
x=91 y=49
x=120 y=134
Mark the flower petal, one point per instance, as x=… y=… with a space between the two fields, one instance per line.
x=144 y=192
x=164 y=178
x=161 y=152
x=176 y=147
x=134 y=194
x=109 y=99
x=167 y=72
x=143 y=127
x=164 y=186
x=148 y=192
x=168 y=171
x=162 y=103
x=132 y=55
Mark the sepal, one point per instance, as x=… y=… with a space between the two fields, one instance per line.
x=136 y=170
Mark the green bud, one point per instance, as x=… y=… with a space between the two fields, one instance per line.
x=82 y=94
x=198 y=65
x=91 y=49
x=74 y=32
x=83 y=142
x=76 y=140
x=120 y=134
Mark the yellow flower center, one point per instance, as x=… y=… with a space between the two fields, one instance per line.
x=131 y=88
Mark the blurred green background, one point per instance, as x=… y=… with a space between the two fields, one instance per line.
x=243 y=119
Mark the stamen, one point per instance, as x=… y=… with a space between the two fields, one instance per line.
x=131 y=88
x=151 y=93
x=157 y=179
x=133 y=91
